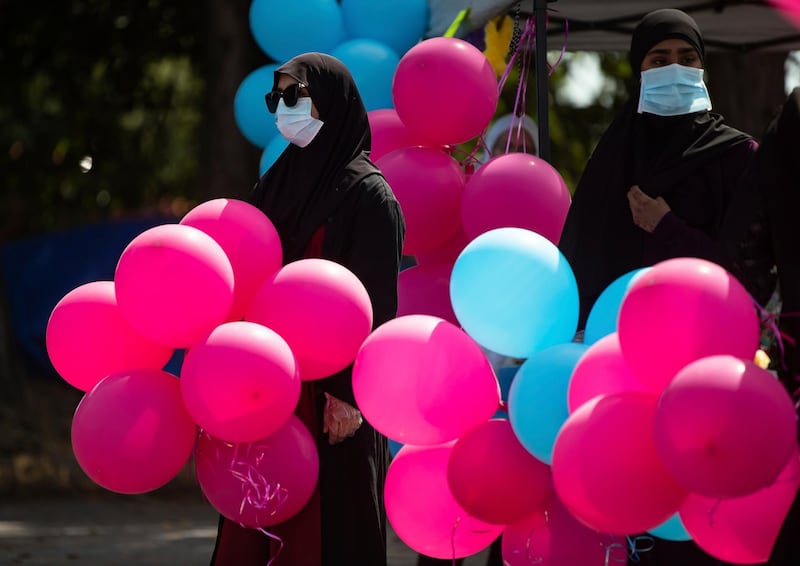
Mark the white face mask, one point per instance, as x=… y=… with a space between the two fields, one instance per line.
x=296 y=124
x=673 y=90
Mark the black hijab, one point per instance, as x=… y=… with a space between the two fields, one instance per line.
x=600 y=240
x=305 y=185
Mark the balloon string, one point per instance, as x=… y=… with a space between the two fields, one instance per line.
x=771 y=321
x=280 y=545
x=453 y=539
x=634 y=549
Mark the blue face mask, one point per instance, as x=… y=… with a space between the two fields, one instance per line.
x=673 y=90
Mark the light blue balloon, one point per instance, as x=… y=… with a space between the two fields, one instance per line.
x=671 y=529
x=394 y=447
x=398 y=23
x=271 y=153
x=254 y=120
x=514 y=293
x=537 y=401
x=285 y=28
x=602 y=319
x=372 y=64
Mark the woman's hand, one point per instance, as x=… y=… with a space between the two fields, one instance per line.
x=340 y=420
x=647 y=212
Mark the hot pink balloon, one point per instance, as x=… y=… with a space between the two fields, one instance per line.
x=446 y=252
x=321 y=309
x=428 y=184
x=174 y=284
x=247 y=237
x=240 y=383
x=419 y=379
x=725 y=427
x=493 y=477
x=606 y=469
x=445 y=90
x=742 y=530
x=601 y=370
x=388 y=132
x=423 y=511
x=790 y=9
x=681 y=310
x=88 y=338
x=131 y=432
x=425 y=289
x=260 y=483
x=518 y=190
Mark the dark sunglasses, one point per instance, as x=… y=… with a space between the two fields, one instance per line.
x=290 y=96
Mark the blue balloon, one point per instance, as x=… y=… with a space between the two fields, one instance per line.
x=372 y=65
x=394 y=447
x=537 y=402
x=271 y=153
x=671 y=529
x=285 y=28
x=602 y=319
x=514 y=292
x=254 y=120
x=398 y=23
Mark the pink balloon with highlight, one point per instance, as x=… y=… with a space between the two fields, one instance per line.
x=240 y=383
x=428 y=184
x=445 y=90
x=174 y=284
x=321 y=309
x=87 y=338
x=419 y=379
x=247 y=237
x=681 y=310
x=388 y=132
x=425 y=289
x=515 y=190
x=422 y=510
x=131 y=433
x=725 y=427
x=260 y=483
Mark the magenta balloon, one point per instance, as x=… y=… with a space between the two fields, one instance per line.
x=419 y=379
x=247 y=237
x=551 y=536
x=682 y=310
x=428 y=184
x=742 y=530
x=174 y=284
x=422 y=510
x=445 y=90
x=240 y=383
x=725 y=427
x=321 y=309
x=425 y=289
x=493 y=477
x=447 y=252
x=388 y=132
x=87 y=338
x=518 y=190
x=131 y=432
x=601 y=370
x=260 y=483
x=606 y=469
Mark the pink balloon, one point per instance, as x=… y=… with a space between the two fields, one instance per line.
x=790 y=9
x=425 y=289
x=88 y=338
x=260 y=483
x=428 y=184
x=493 y=477
x=518 y=190
x=388 y=132
x=423 y=511
x=247 y=237
x=174 y=284
x=240 y=383
x=742 y=530
x=606 y=469
x=131 y=432
x=420 y=380
x=321 y=309
x=725 y=427
x=681 y=310
x=446 y=252
x=551 y=536
x=601 y=370
x=445 y=90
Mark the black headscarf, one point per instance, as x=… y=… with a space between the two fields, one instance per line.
x=599 y=239
x=305 y=185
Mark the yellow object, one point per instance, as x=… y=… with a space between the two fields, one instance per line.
x=762 y=359
x=497 y=35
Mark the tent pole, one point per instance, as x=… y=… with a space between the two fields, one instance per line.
x=542 y=103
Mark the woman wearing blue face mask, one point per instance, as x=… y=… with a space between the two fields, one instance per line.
x=661 y=178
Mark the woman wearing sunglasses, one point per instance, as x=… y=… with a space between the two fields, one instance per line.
x=328 y=200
